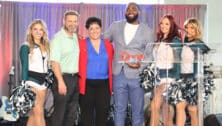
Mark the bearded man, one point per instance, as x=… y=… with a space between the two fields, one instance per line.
x=133 y=38
x=64 y=57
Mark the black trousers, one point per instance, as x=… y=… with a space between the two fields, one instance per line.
x=65 y=106
x=94 y=105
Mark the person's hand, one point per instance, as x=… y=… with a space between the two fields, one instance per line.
x=133 y=65
x=62 y=88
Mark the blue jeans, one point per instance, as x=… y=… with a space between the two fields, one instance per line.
x=124 y=88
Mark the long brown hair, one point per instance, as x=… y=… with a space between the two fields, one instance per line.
x=174 y=30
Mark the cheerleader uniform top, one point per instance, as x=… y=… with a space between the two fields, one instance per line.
x=165 y=56
x=34 y=66
x=189 y=66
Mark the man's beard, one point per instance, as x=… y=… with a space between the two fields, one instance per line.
x=72 y=30
x=131 y=20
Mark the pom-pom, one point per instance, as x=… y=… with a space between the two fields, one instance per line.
x=22 y=99
x=149 y=77
x=49 y=78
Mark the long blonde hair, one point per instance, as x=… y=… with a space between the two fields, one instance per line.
x=44 y=40
x=196 y=24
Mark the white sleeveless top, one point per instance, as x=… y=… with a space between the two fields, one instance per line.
x=163 y=55
x=187 y=60
x=38 y=61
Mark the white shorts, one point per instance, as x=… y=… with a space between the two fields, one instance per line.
x=35 y=85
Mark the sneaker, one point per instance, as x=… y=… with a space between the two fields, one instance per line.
x=6 y=111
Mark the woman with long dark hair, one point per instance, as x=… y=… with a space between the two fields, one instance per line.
x=168 y=37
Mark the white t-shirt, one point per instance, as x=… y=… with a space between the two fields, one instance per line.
x=187 y=60
x=129 y=32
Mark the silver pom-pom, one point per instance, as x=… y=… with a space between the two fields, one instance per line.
x=22 y=99
x=187 y=89
x=183 y=89
x=175 y=94
x=149 y=77
x=49 y=78
x=190 y=93
x=208 y=86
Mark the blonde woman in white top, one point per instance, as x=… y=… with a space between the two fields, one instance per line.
x=34 y=55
